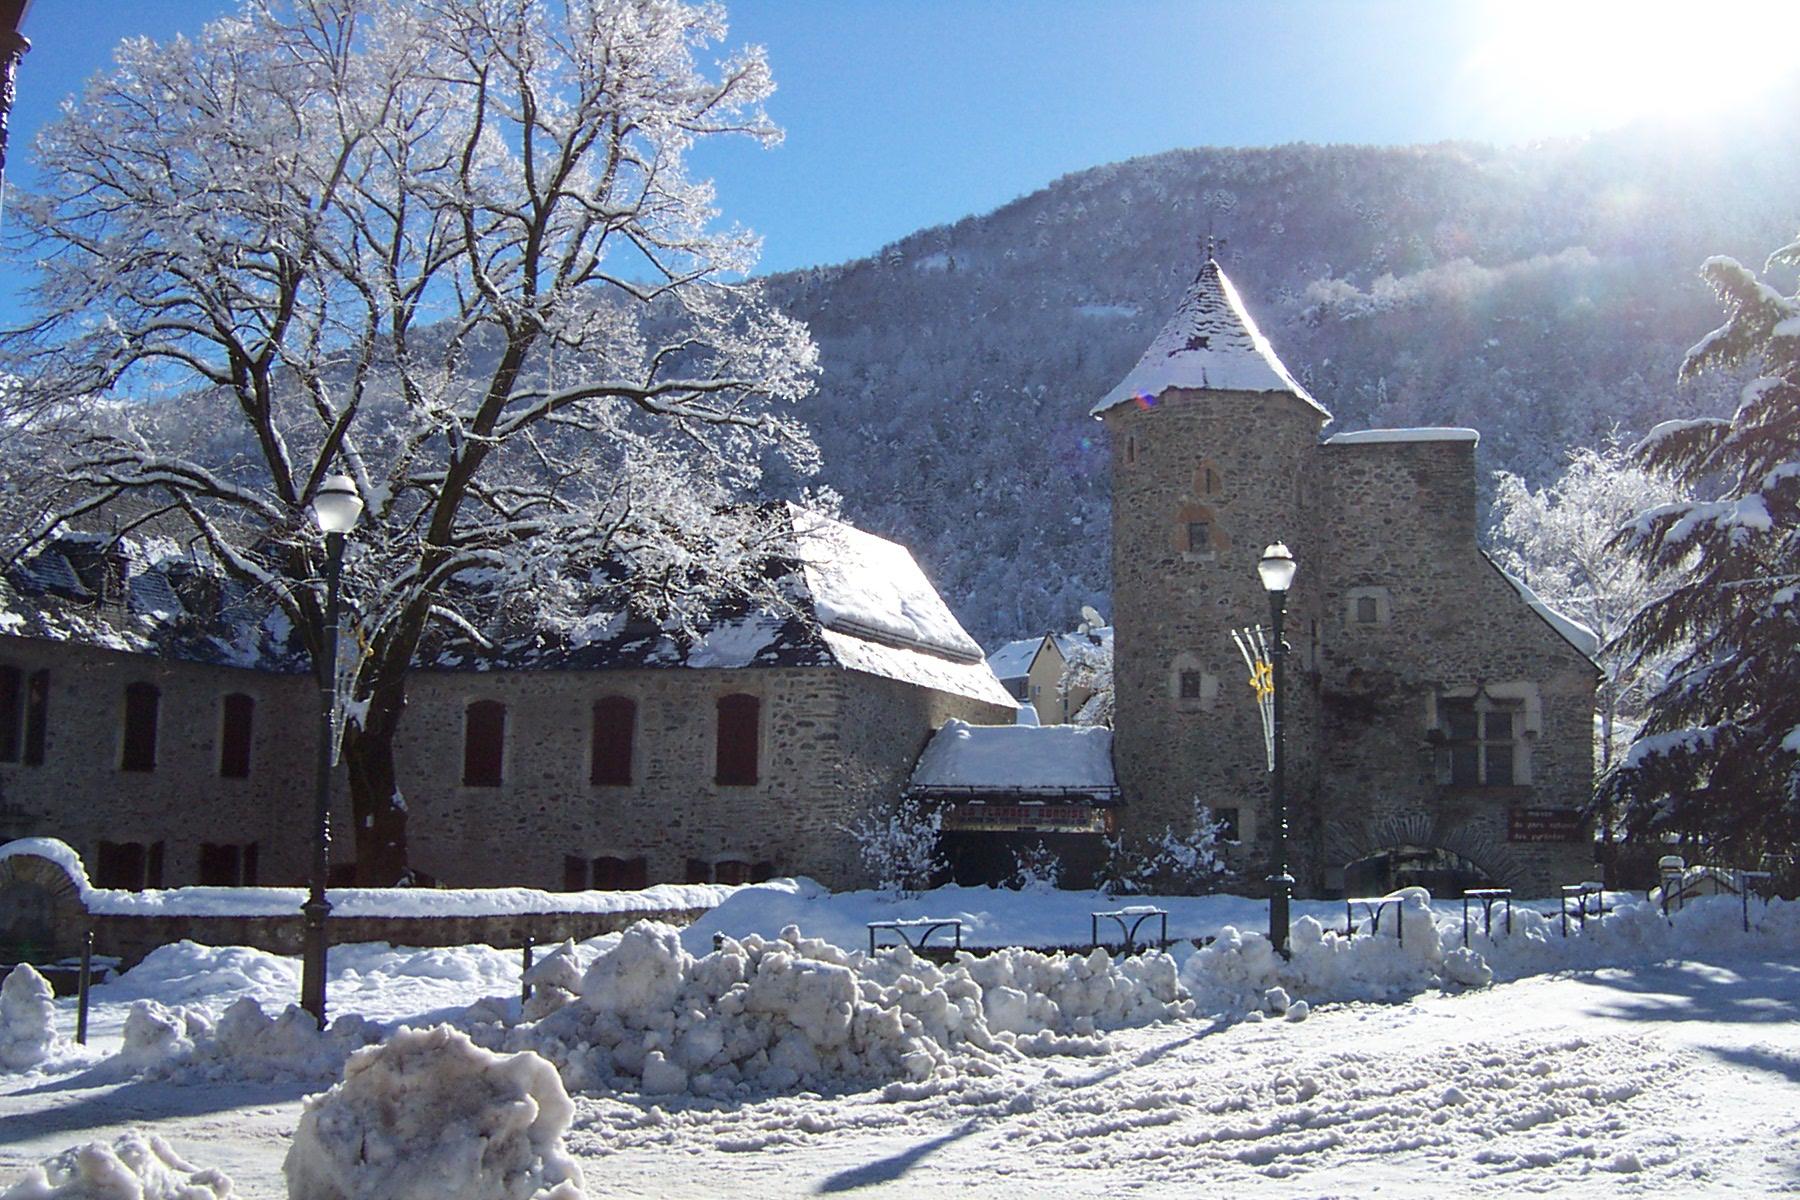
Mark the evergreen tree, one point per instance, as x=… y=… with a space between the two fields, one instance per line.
x=1719 y=756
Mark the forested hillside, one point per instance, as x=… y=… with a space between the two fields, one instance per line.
x=1541 y=294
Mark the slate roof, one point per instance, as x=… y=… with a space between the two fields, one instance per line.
x=1014 y=759
x=1210 y=344
x=857 y=602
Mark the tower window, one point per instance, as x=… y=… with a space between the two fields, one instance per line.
x=1190 y=685
x=1368 y=610
x=1199 y=537
x=1480 y=742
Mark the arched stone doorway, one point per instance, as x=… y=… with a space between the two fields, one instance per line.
x=1443 y=873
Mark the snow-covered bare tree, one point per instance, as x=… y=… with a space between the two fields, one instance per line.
x=900 y=849
x=1089 y=668
x=1558 y=539
x=449 y=247
x=1719 y=754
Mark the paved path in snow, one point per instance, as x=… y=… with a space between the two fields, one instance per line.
x=1681 y=1079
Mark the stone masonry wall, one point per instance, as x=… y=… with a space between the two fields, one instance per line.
x=1398 y=525
x=80 y=794
x=1174 y=609
x=832 y=742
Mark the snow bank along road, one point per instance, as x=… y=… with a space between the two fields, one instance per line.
x=1677 y=1071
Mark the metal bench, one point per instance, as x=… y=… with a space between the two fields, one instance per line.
x=1581 y=893
x=1130 y=920
x=1375 y=906
x=917 y=932
x=1487 y=898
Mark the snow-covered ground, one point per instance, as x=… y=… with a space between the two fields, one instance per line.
x=1641 y=1056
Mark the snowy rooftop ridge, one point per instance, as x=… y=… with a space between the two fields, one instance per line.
x=1013 y=660
x=1210 y=344
x=1424 y=433
x=1017 y=758
x=1573 y=631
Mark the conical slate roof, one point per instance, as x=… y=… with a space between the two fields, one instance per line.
x=1210 y=344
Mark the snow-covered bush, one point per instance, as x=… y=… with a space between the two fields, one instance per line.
x=1035 y=869
x=137 y=1166
x=429 y=1115
x=900 y=850
x=1183 y=862
x=27 y=1019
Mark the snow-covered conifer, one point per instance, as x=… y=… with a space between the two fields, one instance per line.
x=1719 y=755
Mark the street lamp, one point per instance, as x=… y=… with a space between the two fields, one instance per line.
x=336 y=506
x=13 y=46
x=1277 y=570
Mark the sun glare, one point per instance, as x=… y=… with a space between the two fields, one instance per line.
x=1572 y=65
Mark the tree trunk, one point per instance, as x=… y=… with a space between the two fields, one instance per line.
x=376 y=806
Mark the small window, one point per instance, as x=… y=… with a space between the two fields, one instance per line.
x=37 y=717
x=1199 y=537
x=142 y=701
x=610 y=743
x=1190 y=685
x=731 y=871
x=1368 y=610
x=224 y=865
x=12 y=697
x=740 y=720
x=1130 y=449
x=484 y=742
x=234 y=736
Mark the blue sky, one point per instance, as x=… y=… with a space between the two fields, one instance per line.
x=901 y=115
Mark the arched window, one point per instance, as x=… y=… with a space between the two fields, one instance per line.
x=484 y=743
x=615 y=720
x=141 y=703
x=740 y=717
x=234 y=736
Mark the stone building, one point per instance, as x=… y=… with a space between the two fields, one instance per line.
x=1439 y=718
x=155 y=719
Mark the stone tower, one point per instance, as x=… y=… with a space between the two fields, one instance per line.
x=1212 y=443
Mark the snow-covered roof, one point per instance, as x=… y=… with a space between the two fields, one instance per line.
x=1573 y=631
x=1054 y=759
x=1210 y=344
x=1013 y=660
x=1072 y=644
x=1365 y=437
x=859 y=602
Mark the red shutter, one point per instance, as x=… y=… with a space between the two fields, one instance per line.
x=615 y=720
x=740 y=717
x=484 y=740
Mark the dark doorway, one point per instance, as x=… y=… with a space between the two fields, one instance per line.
x=1443 y=873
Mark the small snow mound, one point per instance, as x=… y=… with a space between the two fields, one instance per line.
x=429 y=1115
x=137 y=1166
x=186 y=1045
x=27 y=1019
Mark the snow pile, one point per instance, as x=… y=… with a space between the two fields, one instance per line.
x=1636 y=933
x=777 y=1014
x=429 y=1115
x=1240 y=974
x=135 y=1167
x=27 y=1019
x=187 y=1045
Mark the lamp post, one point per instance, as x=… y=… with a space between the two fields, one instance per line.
x=13 y=46
x=336 y=506
x=1277 y=570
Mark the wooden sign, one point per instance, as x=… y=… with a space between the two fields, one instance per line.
x=1545 y=825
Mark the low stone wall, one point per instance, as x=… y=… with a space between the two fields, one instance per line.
x=44 y=915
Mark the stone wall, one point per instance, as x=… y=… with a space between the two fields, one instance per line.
x=1385 y=529
x=832 y=743
x=43 y=918
x=80 y=794
x=1229 y=458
